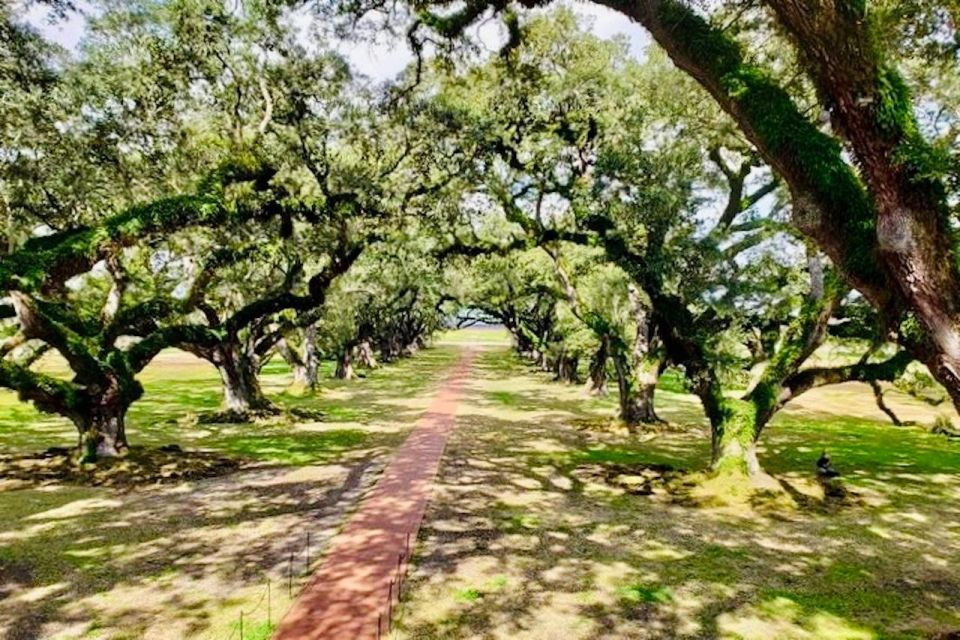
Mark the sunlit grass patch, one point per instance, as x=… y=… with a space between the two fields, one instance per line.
x=645 y=593
x=298 y=448
x=531 y=492
x=507 y=398
x=183 y=559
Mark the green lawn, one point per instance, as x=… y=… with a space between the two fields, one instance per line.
x=550 y=523
x=183 y=559
x=548 y=520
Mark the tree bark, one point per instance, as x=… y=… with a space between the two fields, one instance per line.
x=734 y=439
x=345 y=365
x=310 y=357
x=872 y=108
x=103 y=430
x=566 y=369
x=638 y=370
x=297 y=365
x=598 y=369
x=242 y=393
x=366 y=355
x=637 y=387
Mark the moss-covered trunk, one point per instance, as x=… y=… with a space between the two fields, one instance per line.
x=102 y=421
x=104 y=435
x=734 y=433
x=637 y=385
x=102 y=429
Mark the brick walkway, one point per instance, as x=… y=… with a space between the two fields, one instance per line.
x=349 y=592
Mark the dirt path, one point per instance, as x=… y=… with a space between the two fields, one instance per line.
x=350 y=596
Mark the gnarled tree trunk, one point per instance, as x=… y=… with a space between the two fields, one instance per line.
x=304 y=365
x=637 y=387
x=366 y=355
x=102 y=427
x=598 y=369
x=733 y=436
x=345 y=365
x=639 y=370
x=242 y=393
x=103 y=434
x=297 y=366
x=566 y=368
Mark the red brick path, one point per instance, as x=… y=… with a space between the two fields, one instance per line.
x=350 y=589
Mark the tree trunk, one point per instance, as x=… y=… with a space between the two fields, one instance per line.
x=365 y=353
x=566 y=370
x=241 y=388
x=345 y=365
x=390 y=348
x=103 y=432
x=297 y=366
x=598 y=369
x=637 y=387
x=638 y=371
x=541 y=360
x=521 y=342
x=874 y=112
x=311 y=361
x=734 y=433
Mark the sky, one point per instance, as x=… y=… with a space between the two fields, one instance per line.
x=383 y=60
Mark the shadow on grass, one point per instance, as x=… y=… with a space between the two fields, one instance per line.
x=181 y=560
x=162 y=551
x=541 y=530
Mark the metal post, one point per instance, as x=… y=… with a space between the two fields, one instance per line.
x=290 y=577
x=379 y=624
x=269 y=607
x=241 y=624
x=307 y=567
x=390 y=606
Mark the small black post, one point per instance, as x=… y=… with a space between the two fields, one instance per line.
x=308 y=553
x=241 y=625
x=390 y=606
x=379 y=624
x=290 y=577
x=269 y=607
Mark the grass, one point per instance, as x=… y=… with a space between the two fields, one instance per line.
x=182 y=560
x=546 y=521
x=536 y=491
x=178 y=386
x=645 y=593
